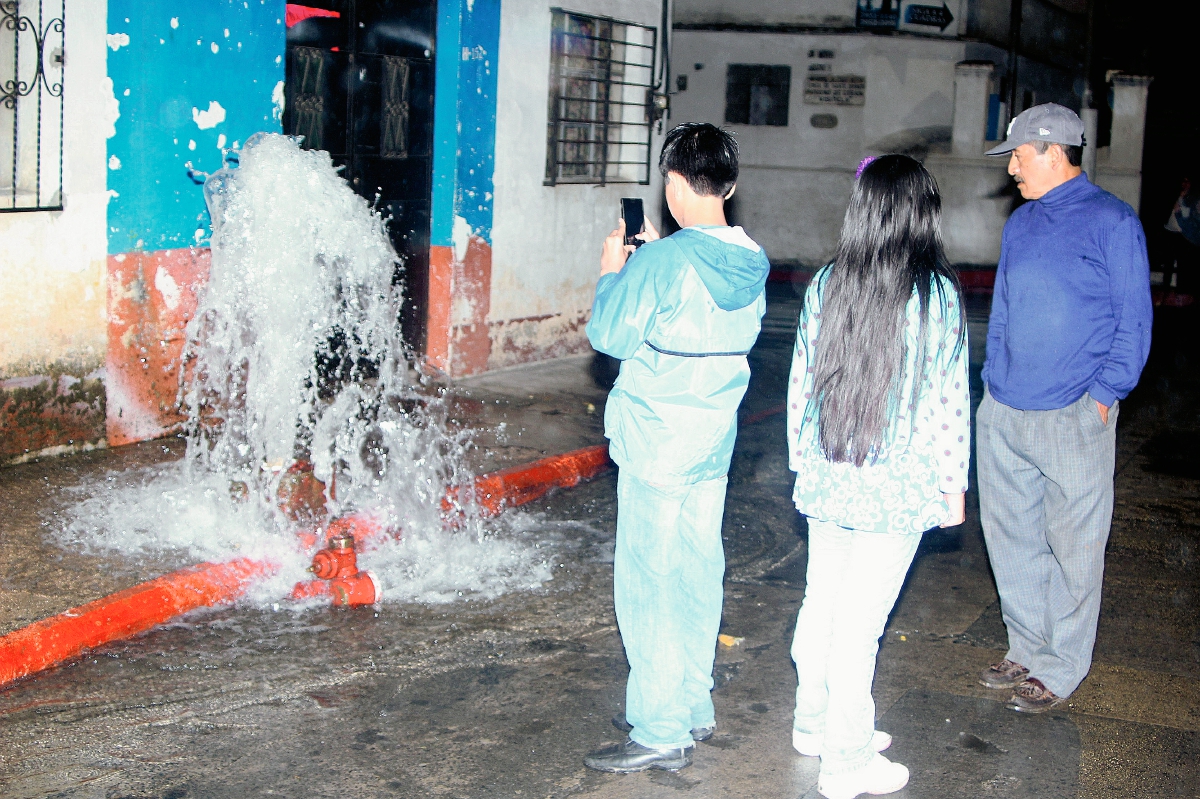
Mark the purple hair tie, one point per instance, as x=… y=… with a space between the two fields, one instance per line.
x=863 y=164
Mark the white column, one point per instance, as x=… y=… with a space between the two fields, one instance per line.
x=1129 y=121
x=972 y=85
x=1090 y=119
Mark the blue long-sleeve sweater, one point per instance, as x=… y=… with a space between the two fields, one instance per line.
x=1071 y=312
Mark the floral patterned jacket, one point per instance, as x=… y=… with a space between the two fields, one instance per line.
x=929 y=449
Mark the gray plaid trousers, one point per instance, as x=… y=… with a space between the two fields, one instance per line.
x=1046 y=500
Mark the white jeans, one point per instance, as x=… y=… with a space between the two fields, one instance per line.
x=853 y=580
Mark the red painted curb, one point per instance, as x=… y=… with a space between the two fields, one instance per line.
x=126 y=613
x=517 y=485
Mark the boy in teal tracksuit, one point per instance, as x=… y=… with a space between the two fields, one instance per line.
x=681 y=313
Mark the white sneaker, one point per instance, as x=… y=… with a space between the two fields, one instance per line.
x=809 y=743
x=877 y=777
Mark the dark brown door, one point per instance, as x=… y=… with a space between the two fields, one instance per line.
x=360 y=85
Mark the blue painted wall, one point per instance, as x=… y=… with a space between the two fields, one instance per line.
x=180 y=57
x=464 y=129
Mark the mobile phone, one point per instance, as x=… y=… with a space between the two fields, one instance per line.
x=635 y=219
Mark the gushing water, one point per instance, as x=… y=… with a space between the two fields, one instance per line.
x=294 y=357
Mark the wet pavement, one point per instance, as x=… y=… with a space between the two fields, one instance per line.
x=502 y=698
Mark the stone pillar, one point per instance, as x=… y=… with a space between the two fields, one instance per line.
x=1129 y=121
x=1090 y=119
x=972 y=85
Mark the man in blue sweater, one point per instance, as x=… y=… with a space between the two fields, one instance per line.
x=1068 y=336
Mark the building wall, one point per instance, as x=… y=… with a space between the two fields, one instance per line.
x=795 y=179
x=191 y=82
x=546 y=239
x=513 y=262
x=815 y=13
x=52 y=273
x=801 y=15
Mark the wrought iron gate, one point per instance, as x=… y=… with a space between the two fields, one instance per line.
x=31 y=105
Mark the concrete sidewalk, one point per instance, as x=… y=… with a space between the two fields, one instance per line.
x=502 y=698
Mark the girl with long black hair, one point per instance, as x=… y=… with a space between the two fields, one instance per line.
x=879 y=438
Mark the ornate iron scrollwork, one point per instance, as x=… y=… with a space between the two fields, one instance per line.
x=31 y=106
x=12 y=20
x=393 y=138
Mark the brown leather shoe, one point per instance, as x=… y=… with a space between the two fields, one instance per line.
x=1031 y=696
x=1004 y=674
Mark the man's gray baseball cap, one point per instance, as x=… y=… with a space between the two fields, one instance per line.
x=1048 y=122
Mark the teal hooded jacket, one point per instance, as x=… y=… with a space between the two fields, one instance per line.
x=681 y=317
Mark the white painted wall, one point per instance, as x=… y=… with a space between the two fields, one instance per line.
x=805 y=14
x=795 y=179
x=52 y=264
x=823 y=13
x=546 y=239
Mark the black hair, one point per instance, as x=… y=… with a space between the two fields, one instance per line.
x=1073 y=152
x=705 y=155
x=890 y=246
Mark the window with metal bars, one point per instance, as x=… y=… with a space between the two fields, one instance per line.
x=31 y=105
x=601 y=100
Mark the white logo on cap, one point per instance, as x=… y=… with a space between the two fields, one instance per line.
x=1043 y=131
x=1008 y=132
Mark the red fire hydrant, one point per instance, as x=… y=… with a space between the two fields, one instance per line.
x=336 y=568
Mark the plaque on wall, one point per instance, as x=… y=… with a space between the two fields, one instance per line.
x=879 y=14
x=835 y=89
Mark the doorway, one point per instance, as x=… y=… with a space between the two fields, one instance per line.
x=360 y=86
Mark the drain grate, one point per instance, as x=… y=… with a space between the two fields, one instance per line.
x=1174 y=453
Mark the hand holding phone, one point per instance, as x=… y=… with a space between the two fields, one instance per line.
x=635 y=220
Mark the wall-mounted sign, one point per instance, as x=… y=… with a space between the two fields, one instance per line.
x=878 y=14
x=835 y=89
x=931 y=17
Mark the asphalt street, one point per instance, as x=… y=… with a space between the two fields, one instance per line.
x=503 y=697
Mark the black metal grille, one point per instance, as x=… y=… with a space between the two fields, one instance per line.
x=307 y=85
x=601 y=100
x=31 y=105
x=393 y=135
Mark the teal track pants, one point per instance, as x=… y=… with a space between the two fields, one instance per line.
x=667 y=586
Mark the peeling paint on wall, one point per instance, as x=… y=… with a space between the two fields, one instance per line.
x=184 y=83
x=112 y=109
x=190 y=84
x=460 y=263
x=210 y=118
x=50 y=317
x=50 y=413
x=459 y=301
x=518 y=341
x=464 y=128
x=52 y=272
x=279 y=98
x=151 y=298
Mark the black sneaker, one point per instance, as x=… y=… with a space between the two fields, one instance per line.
x=631 y=756
x=699 y=734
